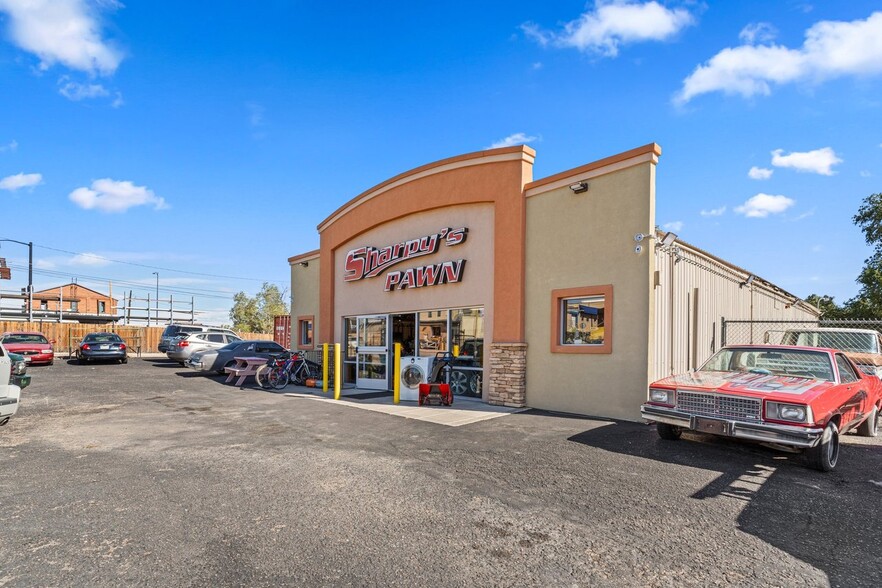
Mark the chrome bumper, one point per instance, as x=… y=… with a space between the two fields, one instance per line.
x=794 y=436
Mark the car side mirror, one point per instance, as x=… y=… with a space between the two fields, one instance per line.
x=52 y=341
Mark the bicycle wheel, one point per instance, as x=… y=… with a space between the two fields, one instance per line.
x=298 y=374
x=262 y=377
x=279 y=378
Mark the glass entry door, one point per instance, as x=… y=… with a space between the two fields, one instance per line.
x=372 y=353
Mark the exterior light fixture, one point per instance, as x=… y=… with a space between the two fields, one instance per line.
x=304 y=263
x=748 y=281
x=579 y=187
x=668 y=239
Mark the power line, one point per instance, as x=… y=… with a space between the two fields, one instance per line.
x=153 y=267
x=102 y=280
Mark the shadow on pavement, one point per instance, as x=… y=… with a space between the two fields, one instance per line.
x=831 y=521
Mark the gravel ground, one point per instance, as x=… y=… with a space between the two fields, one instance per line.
x=146 y=474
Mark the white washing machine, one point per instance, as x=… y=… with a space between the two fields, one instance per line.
x=414 y=371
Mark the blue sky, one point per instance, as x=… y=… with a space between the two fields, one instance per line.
x=206 y=141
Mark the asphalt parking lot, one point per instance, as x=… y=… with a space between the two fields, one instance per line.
x=148 y=474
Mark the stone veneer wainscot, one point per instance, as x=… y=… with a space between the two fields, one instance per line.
x=508 y=379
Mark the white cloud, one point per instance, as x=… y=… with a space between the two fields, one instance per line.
x=762 y=205
x=675 y=226
x=819 y=161
x=109 y=195
x=762 y=32
x=511 y=140
x=62 y=31
x=536 y=65
x=76 y=91
x=865 y=173
x=831 y=49
x=614 y=23
x=44 y=264
x=11 y=146
x=255 y=114
x=805 y=215
x=88 y=259
x=713 y=211
x=19 y=181
x=760 y=173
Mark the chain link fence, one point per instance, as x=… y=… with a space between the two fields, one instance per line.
x=860 y=339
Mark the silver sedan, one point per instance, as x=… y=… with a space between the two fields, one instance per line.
x=215 y=360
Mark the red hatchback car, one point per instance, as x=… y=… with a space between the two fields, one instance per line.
x=34 y=346
x=801 y=397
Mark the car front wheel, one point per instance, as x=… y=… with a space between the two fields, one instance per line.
x=668 y=432
x=825 y=454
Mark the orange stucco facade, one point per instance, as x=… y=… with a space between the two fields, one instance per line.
x=496 y=177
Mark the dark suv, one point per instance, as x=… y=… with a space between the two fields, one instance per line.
x=172 y=332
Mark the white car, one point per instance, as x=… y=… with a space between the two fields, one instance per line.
x=10 y=394
x=182 y=348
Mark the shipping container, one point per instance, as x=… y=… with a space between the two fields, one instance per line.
x=282 y=330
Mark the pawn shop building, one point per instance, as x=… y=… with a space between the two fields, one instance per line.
x=555 y=293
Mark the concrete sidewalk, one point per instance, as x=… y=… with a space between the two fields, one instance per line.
x=464 y=411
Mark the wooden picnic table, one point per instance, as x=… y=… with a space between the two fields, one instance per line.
x=245 y=366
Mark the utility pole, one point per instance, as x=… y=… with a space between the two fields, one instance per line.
x=30 y=276
x=157 y=297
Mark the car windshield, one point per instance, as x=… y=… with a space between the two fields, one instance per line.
x=778 y=361
x=102 y=338
x=24 y=338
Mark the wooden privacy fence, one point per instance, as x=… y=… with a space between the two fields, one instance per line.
x=68 y=335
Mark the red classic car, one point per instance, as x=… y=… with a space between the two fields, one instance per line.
x=32 y=345
x=802 y=397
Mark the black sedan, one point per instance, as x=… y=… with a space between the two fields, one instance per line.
x=215 y=360
x=102 y=347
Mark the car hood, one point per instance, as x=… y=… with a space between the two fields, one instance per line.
x=747 y=384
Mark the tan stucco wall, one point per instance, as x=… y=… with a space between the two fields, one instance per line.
x=305 y=297
x=577 y=240
x=367 y=296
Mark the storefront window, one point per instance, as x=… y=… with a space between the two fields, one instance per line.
x=351 y=329
x=582 y=318
x=582 y=321
x=433 y=332
x=467 y=332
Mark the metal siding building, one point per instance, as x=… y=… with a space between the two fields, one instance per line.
x=694 y=291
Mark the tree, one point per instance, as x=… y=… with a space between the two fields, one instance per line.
x=255 y=315
x=868 y=302
x=826 y=304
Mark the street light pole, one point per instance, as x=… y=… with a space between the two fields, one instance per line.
x=157 y=297
x=30 y=276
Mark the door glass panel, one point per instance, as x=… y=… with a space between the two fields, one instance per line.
x=372 y=366
x=372 y=332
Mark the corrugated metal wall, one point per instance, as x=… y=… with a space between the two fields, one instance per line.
x=693 y=291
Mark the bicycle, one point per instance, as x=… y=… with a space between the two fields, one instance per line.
x=294 y=369
x=268 y=375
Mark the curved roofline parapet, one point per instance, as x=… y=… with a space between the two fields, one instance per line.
x=518 y=152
